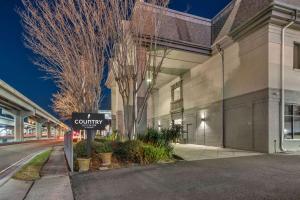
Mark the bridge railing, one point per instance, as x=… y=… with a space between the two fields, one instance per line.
x=68 y=148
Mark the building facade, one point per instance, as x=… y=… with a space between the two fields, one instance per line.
x=231 y=81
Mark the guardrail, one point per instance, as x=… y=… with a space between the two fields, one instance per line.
x=68 y=148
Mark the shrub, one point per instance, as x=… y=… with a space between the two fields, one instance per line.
x=102 y=147
x=114 y=136
x=163 y=138
x=130 y=151
x=153 y=154
x=172 y=134
x=100 y=140
x=80 y=150
x=153 y=136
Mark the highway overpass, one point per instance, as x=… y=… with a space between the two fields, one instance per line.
x=21 y=119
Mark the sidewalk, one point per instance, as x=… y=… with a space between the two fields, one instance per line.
x=55 y=182
x=191 y=152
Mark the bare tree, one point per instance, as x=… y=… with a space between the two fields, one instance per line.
x=65 y=103
x=136 y=56
x=69 y=38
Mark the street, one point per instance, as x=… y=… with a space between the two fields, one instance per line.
x=267 y=177
x=10 y=154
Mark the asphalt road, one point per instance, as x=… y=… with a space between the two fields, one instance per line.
x=265 y=177
x=10 y=154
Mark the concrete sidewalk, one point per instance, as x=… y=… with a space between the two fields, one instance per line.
x=191 y=152
x=55 y=182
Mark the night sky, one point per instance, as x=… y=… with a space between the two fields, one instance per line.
x=18 y=71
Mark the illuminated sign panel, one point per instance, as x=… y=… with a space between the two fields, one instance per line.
x=89 y=121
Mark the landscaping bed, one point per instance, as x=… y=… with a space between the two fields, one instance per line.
x=152 y=147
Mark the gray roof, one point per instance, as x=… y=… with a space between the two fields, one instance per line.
x=177 y=28
x=220 y=19
x=183 y=28
x=235 y=14
x=289 y=2
x=186 y=28
x=238 y=12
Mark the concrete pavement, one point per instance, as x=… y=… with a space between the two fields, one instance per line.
x=265 y=177
x=54 y=183
x=191 y=152
x=14 y=189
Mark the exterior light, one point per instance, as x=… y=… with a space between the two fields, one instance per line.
x=149 y=80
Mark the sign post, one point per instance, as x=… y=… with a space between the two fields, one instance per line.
x=89 y=122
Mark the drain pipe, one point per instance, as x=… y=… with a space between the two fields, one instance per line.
x=221 y=53
x=220 y=50
x=282 y=148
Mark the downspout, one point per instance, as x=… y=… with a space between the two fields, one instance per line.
x=221 y=53
x=220 y=50
x=282 y=148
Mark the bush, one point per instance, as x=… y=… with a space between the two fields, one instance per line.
x=152 y=154
x=101 y=140
x=172 y=134
x=114 y=136
x=102 y=147
x=80 y=150
x=163 y=138
x=138 y=152
x=154 y=137
x=129 y=151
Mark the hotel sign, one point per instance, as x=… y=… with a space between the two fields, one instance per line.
x=88 y=121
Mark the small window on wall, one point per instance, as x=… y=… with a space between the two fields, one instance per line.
x=297 y=56
x=177 y=94
x=176 y=91
x=292 y=122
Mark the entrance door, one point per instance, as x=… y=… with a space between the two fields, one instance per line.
x=190 y=134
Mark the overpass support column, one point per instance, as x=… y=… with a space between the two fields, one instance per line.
x=39 y=130
x=19 y=123
x=19 y=127
x=59 y=131
x=49 y=130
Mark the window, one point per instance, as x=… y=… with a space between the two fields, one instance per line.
x=177 y=94
x=176 y=91
x=296 y=56
x=292 y=122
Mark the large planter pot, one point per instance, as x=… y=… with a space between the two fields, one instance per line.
x=106 y=158
x=84 y=164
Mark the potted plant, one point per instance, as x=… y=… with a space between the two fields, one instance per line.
x=82 y=157
x=105 y=152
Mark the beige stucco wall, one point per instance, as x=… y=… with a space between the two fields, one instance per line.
x=246 y=70
x=161 y=99
x=292 y=82
x=246 y=64
x=292 y=76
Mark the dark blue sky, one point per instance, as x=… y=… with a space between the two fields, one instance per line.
x=15 y=60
